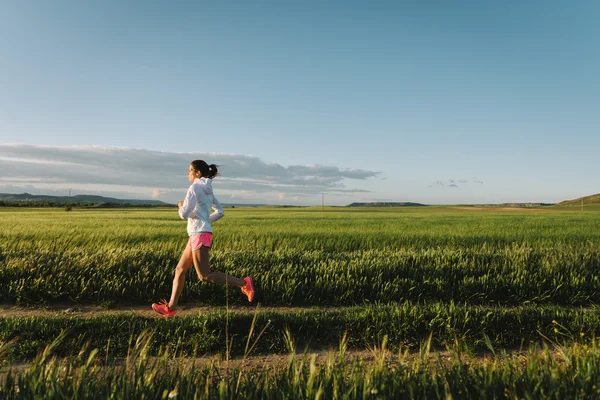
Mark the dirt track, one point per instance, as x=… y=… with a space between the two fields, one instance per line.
x=87 y=311
x=257 y=362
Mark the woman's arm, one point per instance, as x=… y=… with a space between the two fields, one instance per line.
x=218 y=213
x=187 y=206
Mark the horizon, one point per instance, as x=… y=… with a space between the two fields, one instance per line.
x=415 y=203
x=430 y=102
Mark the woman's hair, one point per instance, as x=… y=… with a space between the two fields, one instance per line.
x=207 y=171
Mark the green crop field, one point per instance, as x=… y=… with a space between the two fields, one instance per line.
x=464 y=279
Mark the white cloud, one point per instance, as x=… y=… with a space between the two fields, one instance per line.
x=164 y=173
x=156 y=193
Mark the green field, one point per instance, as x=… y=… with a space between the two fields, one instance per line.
x=307 y=257
x=476 y=278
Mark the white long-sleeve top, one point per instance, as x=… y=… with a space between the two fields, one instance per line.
x=197 y=206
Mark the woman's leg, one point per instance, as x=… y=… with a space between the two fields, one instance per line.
x=185 y=262
x=201 y=263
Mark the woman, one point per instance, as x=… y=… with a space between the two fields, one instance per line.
x=196 y=207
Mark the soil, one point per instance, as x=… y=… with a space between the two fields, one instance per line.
x=258 y=362
x=89 y=311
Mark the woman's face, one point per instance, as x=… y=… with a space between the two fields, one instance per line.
x=192 y=174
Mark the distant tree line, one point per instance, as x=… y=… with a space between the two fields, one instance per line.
x=60 y=204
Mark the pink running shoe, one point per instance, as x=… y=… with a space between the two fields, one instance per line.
x=163 y=309
x=248 y=289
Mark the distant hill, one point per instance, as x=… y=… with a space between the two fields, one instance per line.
x=80 y=198
x=593 y=199
x=386 y=204
x=234 y=205
x=513 y=205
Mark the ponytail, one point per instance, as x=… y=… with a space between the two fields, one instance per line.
x=207 y=171
x=212 y=171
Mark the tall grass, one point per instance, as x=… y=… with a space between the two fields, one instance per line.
x=405 y=325
x=439 y=276
x=563 y=372
x=305 y=258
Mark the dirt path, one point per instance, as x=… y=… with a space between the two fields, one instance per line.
x=90 y=311
x=259 y=361
x=274 y=361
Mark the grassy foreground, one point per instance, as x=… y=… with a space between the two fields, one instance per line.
x=405 y=325
x=572 y=373
x=435 y=276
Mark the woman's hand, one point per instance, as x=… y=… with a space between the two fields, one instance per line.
x=180 y=204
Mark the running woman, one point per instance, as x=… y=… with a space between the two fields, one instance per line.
x=196 y=207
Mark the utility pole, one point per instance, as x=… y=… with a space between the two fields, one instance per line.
x=582 y=204
x=322 y=202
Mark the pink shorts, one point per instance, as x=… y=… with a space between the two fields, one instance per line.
x=197 y=241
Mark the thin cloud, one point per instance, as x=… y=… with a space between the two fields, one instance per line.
x=263 y=187
x=454 y=183
x=164 y=171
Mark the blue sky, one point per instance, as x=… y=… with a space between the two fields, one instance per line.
x=438 y=102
